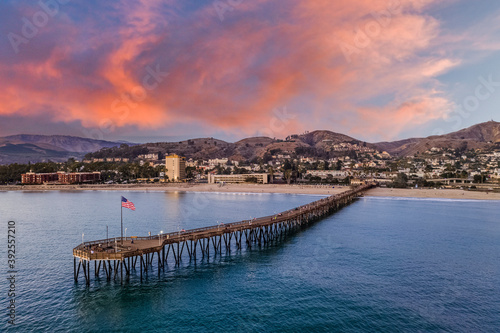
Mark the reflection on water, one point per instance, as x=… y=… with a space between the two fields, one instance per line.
x=377 y=265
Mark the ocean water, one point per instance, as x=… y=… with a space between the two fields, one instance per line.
x=378 y=265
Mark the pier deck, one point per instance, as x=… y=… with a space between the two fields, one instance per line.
x=117 y=254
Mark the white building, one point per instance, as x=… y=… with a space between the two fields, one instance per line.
x=262 y=178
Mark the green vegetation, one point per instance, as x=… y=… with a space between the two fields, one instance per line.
x=124 y=151
x=110 y=171
x=251 y=180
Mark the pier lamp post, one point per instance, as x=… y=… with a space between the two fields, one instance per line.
x=82 y=237
x=125 y=233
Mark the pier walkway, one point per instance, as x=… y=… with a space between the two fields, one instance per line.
x=116 y=256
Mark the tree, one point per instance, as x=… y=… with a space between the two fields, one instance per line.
x=479 y=178
x=190 y=172
x=401 y=180
x=329 y=178
x=271 y=174
x=251 y=179
x=287 y=174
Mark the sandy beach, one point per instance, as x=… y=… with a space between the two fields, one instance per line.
x=432 y=193
x=264 y=188
x=248 y=188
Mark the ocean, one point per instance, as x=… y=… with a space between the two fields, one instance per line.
x=378 y=265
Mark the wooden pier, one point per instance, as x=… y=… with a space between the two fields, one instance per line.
x=116 y=256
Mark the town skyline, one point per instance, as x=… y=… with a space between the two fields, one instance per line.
x=468 y=156
x=25 y=148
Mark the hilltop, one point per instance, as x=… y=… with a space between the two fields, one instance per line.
x=319 y=144
x=480 y=136
x=322 y=144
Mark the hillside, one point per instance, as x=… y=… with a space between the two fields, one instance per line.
x=479 y=136
x=24 y=148
x=488 y=132
x=313 y=144
x=320 y=144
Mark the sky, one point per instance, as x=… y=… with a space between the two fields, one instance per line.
x=169 y=69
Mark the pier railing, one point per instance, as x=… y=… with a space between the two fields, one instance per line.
x=115 y=255
x=111 y=248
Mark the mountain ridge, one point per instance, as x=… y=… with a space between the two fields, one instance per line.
x=24 y=148
x=319 y=143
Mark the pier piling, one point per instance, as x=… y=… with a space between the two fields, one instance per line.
x=259 y=231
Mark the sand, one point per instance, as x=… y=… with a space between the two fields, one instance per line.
x=433 y=193
x=264 y=188
x=248 y=188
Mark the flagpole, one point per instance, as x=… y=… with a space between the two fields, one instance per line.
x=121 y=218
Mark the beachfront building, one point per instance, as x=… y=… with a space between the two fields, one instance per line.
x=261 y=178
x=357 y=182
x=38 y=178
x=176 y=167
x=60 y=177
x=78 y=177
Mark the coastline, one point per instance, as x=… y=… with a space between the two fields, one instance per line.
x=263 y=188
x=432 y=193
x=183 y=187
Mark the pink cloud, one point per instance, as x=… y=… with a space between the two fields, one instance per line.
x=232 y=74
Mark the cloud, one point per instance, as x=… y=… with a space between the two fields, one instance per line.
x=95 y=63
x=389 y=121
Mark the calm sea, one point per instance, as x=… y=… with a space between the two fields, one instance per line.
x=378 y=265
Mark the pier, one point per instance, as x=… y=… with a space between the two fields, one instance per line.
x=115 y=257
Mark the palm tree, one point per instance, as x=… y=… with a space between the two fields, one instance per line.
x=288 y=175
x=271 y=173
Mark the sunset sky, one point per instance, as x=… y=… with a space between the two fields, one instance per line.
x=152 y=70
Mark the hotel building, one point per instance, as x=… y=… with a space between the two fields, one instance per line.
x=176 y=167
x=60 y=177
x=262 y=178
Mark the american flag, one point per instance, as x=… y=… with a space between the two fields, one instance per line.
x=127 y=204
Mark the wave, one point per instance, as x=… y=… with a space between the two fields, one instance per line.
x=426 y=199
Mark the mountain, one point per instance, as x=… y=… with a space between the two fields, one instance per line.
x=322 y=144
x=480 y=136
x=24 y=148
x=488 y=132
x=313 y=144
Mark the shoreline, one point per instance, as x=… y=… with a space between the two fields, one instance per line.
x=263 y=188
x=432 y=193
x=228 y=188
